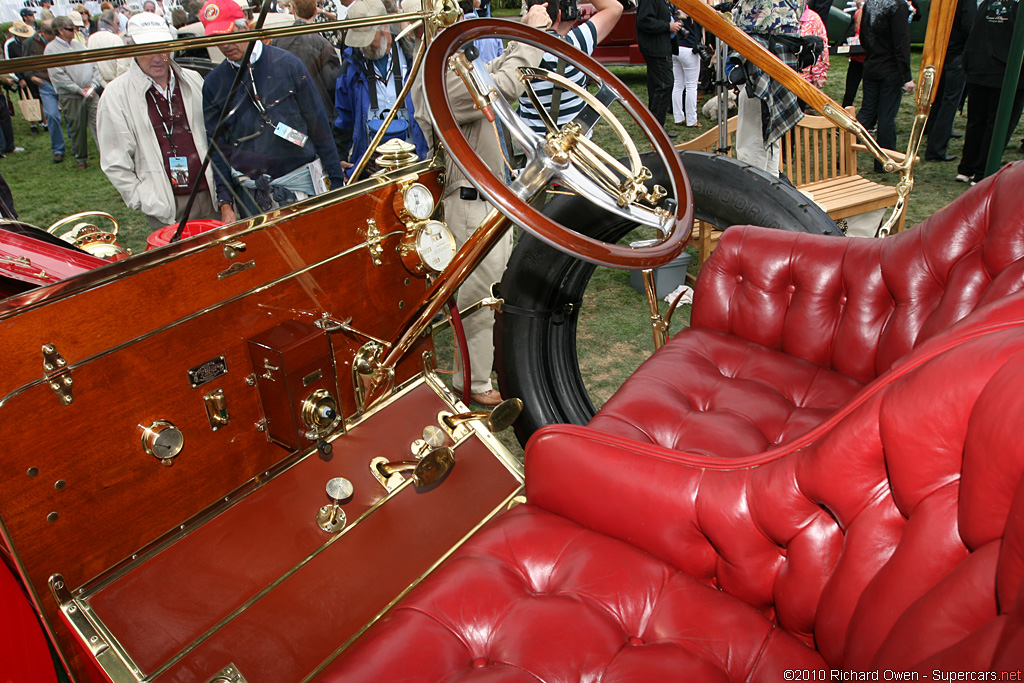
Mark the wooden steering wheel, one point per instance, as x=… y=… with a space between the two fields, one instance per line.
x=564 y=154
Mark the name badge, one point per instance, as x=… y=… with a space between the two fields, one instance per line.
x=288 y=133
x=179 y=171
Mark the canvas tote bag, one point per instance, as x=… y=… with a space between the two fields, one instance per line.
x=31 y=109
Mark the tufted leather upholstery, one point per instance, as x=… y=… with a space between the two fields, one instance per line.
x=893 y=540
x=890 y=535
x=786 y=328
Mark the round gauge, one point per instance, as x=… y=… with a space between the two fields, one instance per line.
x=435 y=245
x=162 y=440
x=417 y=201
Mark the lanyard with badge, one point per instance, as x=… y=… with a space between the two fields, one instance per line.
x=282 y=129
x=394 y=75
x=177 y=165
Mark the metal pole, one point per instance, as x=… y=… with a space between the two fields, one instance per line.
x=1006 y=97
x=722 y=93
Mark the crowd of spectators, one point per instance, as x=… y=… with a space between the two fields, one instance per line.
x=308 y=105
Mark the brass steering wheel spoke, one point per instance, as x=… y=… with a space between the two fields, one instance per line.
x=545 y=115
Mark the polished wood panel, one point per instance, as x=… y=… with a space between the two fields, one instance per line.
x=129 y=342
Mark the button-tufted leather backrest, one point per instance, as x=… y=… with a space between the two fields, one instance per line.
x=867 y=303
x=892 y=538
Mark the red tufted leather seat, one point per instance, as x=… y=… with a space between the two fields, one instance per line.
x=787 y=327
x=889 y=537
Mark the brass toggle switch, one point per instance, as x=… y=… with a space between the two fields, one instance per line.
x=332 y=518
x=217 y=409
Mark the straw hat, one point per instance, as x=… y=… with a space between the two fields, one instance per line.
x=22 y=30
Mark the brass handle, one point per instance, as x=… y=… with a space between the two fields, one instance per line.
x=428 y=470
x=497 y=419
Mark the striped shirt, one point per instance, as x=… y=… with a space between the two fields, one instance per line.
x=584 y=39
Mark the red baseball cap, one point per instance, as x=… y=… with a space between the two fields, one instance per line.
x=219 y=16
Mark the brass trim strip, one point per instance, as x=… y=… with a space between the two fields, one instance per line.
x=117 y=270
x=334 y=655
x=117 y=665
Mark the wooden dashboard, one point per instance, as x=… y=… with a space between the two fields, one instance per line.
x=183 y=565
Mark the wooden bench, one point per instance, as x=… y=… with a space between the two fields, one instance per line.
x=820 y=159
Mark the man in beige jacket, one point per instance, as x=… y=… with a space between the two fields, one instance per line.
x=465 y=209
x=152 y=137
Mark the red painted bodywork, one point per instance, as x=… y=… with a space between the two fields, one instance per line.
x=35 y=262
x=23 y=648
x=619 y=47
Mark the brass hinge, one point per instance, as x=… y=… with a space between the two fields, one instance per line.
x=110 y=657
x=373 y=241
x=58 y=375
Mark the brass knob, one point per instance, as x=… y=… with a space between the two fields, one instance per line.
x=331 y=518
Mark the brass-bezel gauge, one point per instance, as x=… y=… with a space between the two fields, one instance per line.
x=414 y=202
x=427 y=247
x=162 y=440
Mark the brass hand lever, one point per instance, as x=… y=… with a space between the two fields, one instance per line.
x=428 y=470
x=500 y=417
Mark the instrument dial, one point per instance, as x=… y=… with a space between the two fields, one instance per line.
x=417 y=202
x=435 y=245
x=162 y=440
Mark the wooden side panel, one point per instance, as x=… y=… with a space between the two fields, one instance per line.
x=77 y=492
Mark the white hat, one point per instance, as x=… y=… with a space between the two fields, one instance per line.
x=146 y=27
x=278 y=19
x=77 y=19
x=363 y=9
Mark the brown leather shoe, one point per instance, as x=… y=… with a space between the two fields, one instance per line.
x=487 y=398
x=82 y=164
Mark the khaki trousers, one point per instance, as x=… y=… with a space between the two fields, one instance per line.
x=464 y=217
x=80 y=114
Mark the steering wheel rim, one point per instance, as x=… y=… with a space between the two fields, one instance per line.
x=447 y=43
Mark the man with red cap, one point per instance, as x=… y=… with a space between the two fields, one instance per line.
x=276 y=146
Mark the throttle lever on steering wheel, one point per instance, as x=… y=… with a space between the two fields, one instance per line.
x=461 y=63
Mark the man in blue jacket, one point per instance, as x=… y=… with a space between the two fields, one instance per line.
x=276 y=145
x=372 y=57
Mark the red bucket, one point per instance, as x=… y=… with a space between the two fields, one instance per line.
x=162 y=236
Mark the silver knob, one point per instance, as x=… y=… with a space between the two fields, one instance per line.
x=339 y=489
